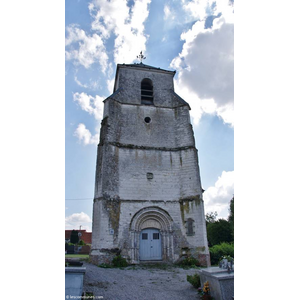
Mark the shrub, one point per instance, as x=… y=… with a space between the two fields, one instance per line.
x=119 y=262
x=194 y=280
x=189 y=261
x=217 y=251
x=81 y=243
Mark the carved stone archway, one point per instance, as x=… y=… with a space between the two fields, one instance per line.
x=152 y=217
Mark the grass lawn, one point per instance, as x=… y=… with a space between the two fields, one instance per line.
x=77 y=256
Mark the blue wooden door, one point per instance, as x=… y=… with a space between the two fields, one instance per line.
x=150 y=244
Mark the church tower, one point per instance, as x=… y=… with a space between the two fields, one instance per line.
x=148 y=201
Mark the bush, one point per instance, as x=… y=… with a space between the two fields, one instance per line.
x=119 y=262
x=217 y=251
x=189 y=261
x=81 y=243
x=194 y=280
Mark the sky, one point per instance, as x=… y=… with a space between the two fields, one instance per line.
x=195 y=38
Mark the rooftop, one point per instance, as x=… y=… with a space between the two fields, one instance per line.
x=141 y=65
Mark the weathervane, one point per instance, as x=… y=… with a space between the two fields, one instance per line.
x=141 y=57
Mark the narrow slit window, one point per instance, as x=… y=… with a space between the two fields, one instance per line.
x=147 y=91
x=190 y=227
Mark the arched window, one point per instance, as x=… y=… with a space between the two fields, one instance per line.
x=147 y=91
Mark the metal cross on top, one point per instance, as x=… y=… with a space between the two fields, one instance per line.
x=141 y=57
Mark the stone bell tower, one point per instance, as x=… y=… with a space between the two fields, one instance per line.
x=148 y=197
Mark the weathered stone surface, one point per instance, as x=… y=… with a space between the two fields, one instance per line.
x=220 y=281
x=147 y=173
x=74 y=281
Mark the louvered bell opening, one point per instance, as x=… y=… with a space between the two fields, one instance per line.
x=147 y=92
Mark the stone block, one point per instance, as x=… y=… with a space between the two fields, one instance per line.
x=74 y=282
x=220 y=281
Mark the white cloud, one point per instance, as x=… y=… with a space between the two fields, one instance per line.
x=108 y=15
x=94 y=106
x=90 y=104
x=75 y=220
x=217 y=197
x=91 y=84
x=110 y=85
x=85 y=136
x=84 y=49
x=127 y=24
x=200 y=9
x=79 y=83
x=94 y=85
x=168 y=14
x=79 y=217
x=205 y=66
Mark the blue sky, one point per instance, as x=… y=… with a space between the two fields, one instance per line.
x=195 y=38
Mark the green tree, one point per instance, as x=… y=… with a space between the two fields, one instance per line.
x=218 y=232
x=231 y=211
x=81 y=243
x=231 y=216
x=211 y=217
x=74 y=237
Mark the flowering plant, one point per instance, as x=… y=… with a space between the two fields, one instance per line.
x=206 y=288
x=205 y=291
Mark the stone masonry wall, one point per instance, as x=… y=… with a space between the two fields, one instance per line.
x=175 y=174
x=129 y=80
x=169 y=128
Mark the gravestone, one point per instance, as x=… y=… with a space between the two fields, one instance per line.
x=74 y=282
x=221 y=282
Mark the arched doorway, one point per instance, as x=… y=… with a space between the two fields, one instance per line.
x=156 y=225
x=150 y=244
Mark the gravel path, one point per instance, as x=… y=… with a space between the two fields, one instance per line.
x=139 y=283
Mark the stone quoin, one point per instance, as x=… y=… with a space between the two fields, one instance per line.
x=148 y=202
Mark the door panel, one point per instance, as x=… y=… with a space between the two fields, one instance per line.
x=150 y=244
